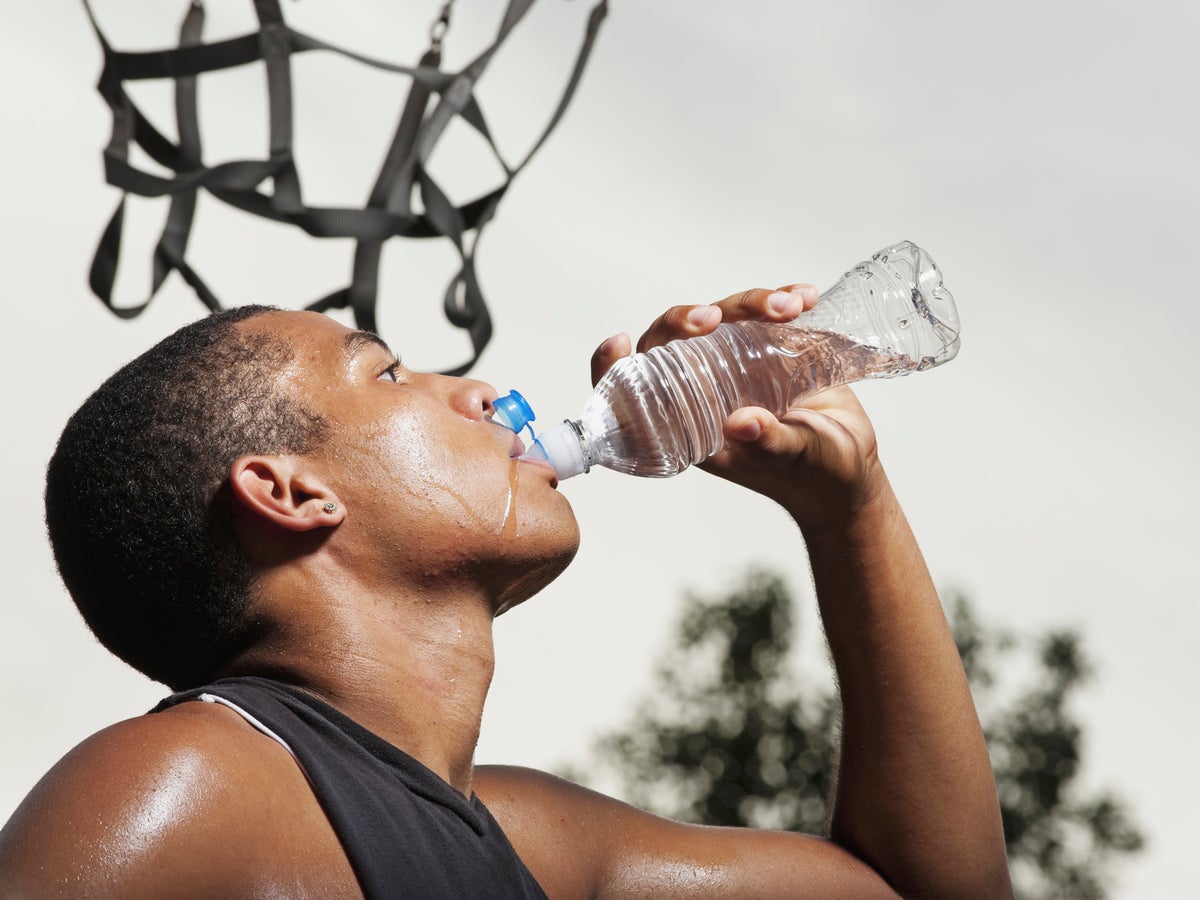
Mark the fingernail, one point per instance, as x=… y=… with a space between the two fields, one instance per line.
x=781 y=301
x=701 y=316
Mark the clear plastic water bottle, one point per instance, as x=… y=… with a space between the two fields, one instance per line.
x=656 y=413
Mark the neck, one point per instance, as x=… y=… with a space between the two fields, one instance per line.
x=414 y=670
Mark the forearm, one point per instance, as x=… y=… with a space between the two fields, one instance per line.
x=916 y=796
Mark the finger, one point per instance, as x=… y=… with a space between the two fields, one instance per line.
x=680 y=322
x=752 y=427
x=759 y=304
x=809 y=294
x=753 y=433
x=780 y=305
x=757 y=445
x=615 y=348
x=761 y=449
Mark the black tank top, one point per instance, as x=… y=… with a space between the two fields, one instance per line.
x=406 y=832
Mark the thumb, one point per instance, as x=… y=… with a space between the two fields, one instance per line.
x=760 y=451
x=805 y=440
x=754 y=432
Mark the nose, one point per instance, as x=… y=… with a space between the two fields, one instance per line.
x=472 y=398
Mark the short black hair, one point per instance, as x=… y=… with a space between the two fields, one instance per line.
x=137 y=491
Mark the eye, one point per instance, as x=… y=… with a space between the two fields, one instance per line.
x=391 y=373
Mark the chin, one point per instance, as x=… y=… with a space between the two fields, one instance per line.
x=533 y=575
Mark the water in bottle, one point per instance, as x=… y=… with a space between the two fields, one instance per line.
x=656 y=413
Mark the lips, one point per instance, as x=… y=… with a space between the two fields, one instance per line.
x=517 y=451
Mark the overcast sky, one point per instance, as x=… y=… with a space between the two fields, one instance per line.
x=1043 y=152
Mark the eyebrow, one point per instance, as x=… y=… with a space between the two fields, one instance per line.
x=357 y=341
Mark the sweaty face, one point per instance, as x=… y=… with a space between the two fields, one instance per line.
x=431 y=487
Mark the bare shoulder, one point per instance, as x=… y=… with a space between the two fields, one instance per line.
x=581 y=843
x=188 y=802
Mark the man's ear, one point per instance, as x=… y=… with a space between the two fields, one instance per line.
x=284 y=491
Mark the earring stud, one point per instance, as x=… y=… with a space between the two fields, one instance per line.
x=330 y=507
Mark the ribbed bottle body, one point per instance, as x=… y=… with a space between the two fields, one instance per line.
x=656 y=413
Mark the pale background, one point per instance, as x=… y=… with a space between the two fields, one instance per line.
x=1044 y=152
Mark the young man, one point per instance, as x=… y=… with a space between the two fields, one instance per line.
x=310 y=542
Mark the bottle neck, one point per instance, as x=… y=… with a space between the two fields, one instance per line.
x=565 y=447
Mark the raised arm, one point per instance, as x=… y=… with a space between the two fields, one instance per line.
x=916 y=807
x=916 y=798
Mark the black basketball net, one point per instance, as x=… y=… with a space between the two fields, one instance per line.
x=435 y=97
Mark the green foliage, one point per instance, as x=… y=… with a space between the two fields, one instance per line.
x=1061 y=843
x=728 y=736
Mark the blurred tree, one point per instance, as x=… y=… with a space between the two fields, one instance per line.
x=727 y=736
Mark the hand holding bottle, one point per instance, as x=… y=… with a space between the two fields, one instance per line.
x=818 y=460
x=732 y=392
